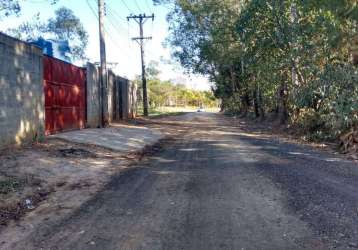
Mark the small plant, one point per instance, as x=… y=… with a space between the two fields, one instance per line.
x=10 y=184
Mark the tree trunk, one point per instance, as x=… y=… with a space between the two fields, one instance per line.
x=282 y=102
x=245 y=103
x=256 y=104
x=222 y=108
x=354 y=50
x=261 y=108
x=233 y=79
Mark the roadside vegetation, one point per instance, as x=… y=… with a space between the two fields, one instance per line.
x=292 y=61
x=167 y=97
x=64 y=26
x=162 y=111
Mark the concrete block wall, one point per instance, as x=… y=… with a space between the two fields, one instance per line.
x=132 y=100
x=93 y=97
x=116 y=100
x=21 y=92
x=124 y=91
x=22 y=101
x=118 y=107
x=128 y=92
x=111 y=93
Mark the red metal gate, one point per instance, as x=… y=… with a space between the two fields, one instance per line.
x=65 y=95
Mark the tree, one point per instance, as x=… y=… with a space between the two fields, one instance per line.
x=273 y=56
x=13 y=7
x=29 y=30
x=65 y=26
x=9 y=7
x=152 y=70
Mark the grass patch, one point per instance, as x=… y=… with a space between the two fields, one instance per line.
x=10 y=184
x=166 y=111
x=159 y=114
x=172 y=111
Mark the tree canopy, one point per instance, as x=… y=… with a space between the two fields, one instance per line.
x=292 y=59
x=13 y=7
x=64 y=26
x=166 y=93
x=9 y=7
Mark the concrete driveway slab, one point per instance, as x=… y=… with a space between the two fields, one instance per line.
x=120 y=137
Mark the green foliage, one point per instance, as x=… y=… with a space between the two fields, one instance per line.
x=290 y=57
x=13 y=7
x=9 y=7
x=152 y=70
x=64 y=26
x=165 y=93
x=232 y=104
x=332 y=100
x=10 y=184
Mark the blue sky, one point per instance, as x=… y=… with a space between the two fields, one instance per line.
x=120 y=48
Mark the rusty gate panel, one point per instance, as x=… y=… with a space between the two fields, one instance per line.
x=65 y=95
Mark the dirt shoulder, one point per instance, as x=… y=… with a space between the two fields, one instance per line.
x=44 y=182
x=263 y=193
x=275 y=131
x=58 y=177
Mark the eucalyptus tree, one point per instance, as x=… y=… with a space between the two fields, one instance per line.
x=273 y=55
x=64 y=26
x=13 y=7
x=204 y=41
x=9 y=7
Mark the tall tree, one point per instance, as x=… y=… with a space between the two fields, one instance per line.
x=9 y=7
x=273 y=55
x=13 y=7
x=65 y=26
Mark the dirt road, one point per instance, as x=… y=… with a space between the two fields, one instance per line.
x=218 y=187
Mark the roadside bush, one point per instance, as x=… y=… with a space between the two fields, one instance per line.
x=329 y=105
x=232 y=105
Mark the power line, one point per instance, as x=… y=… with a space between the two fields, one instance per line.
x=124 y=3
x=114 y=22
x=140 y=19
x=115 y=43
x=148 y=5
x=136 y=3
x=93 y=11
x=116 y=15
x=108 y=33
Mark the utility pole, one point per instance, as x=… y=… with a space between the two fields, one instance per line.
x=141 y=19
x=103 y=69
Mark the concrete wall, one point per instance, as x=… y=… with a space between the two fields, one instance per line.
x=132 y=100
x=21 y=92
x=129 y=98
x=93 y=97
x=124 y=91
x=119 y=107
x=111 y=93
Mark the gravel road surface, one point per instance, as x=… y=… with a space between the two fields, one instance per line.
x=216 y=186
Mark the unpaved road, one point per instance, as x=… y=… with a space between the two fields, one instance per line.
x=218 y=187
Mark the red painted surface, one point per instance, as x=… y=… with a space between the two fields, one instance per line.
x=65 y=96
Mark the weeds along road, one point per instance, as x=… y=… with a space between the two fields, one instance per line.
x=218 y=187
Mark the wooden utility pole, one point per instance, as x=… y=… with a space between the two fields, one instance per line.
x=103 y=68
x=140 y=19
